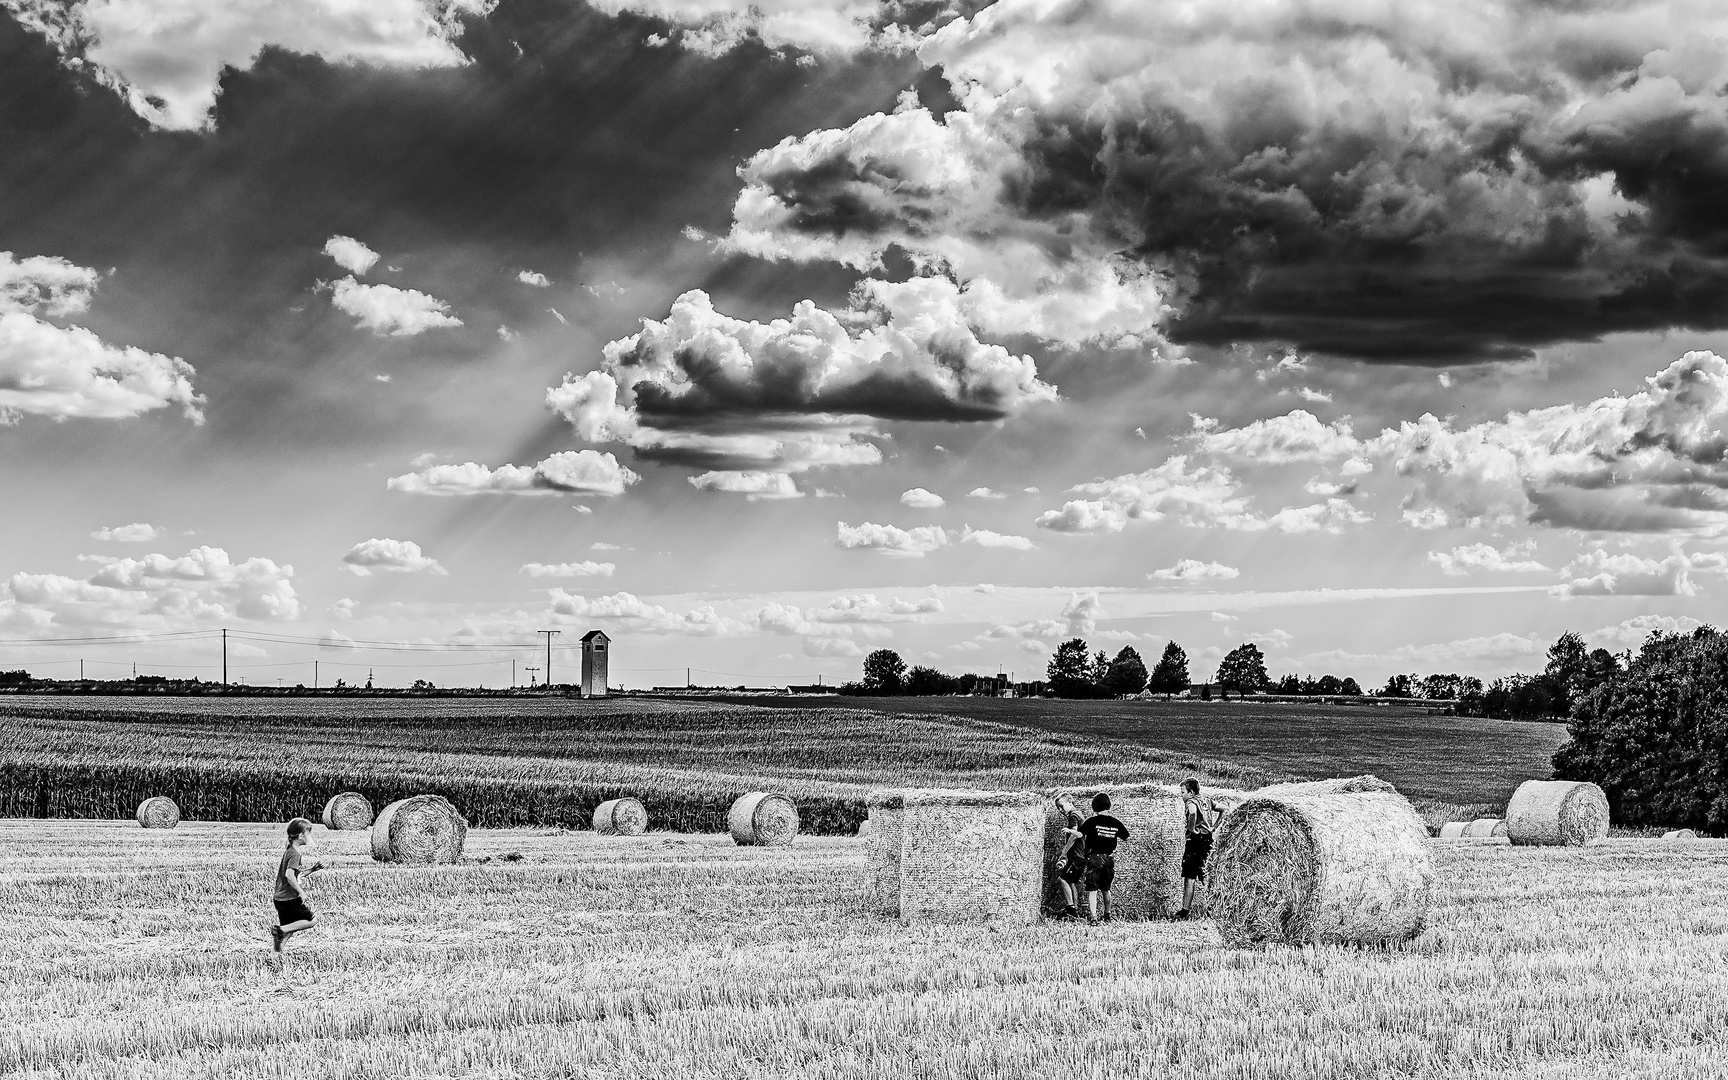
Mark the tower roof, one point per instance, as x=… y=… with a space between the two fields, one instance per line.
x=595 y=635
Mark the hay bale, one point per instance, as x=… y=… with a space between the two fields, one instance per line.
x=1335 y=863
x=1453 y=830
x=882 y=863
x=1680 y=834
x=971 y=857
x=621 y=817
x=764 y=819
x=1553 y=813
x=1485 y=827
x=348 y=810
x=1148 y=864
x=158 y=812
x=422 y=830
x=865 y=828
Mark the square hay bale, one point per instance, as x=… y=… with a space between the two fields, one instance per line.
x=970 y=857
x=882 y=861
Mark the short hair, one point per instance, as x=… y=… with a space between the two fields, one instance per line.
x=298 y=827
x=1191 y=786
x=1100 y=802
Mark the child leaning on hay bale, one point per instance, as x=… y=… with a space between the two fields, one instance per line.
x=293 y=914
x=1199 y=817
x=1089 y=858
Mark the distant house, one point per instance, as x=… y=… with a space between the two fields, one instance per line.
x=595 y=646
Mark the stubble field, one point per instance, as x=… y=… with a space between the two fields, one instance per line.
x=142 y=954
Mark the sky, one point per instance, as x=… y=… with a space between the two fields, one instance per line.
x=1387 y=336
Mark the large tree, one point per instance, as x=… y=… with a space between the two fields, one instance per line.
x=1126 y=674
x=1171 y=674
x=1243 y=669
x=884 y=672
x=1568 y=671
x=1070 y=670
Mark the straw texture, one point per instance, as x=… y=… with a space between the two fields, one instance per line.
x=158 y=812
x=621 y=817
x=763 y=818
x=1344 y=865
x=882 y=859
x=1453 y=830
x=1148 y=864
x=1485 y=826
x=421 y=830
x=348 y=810
x=1680 y=834
x=971 y=857
x=1554 y=813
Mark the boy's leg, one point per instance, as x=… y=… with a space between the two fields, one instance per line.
x=293 y=928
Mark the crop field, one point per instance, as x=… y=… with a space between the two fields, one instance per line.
x=142 y=955
x=1435 y=760
x=513 y=762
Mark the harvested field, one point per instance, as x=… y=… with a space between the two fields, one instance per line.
x=686 y=956
x=514 y=762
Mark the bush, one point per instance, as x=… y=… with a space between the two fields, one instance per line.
x=1656 y=737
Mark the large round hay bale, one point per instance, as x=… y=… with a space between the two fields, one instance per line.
x=1148 y=864
x=621 y=817
x=882 y=863
x=764 y=819
x=1680 y=834
x=1485 y=827
x=158 y=812
x=421 y=830
x=971 y=857
x=1338 y=865
x=1557 y=813
x=1453 y=830
x=348 y=810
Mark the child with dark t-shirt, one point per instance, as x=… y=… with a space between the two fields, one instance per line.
x=1101 y=832
x=293 y=916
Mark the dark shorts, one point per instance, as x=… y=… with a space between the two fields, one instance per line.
x=1071 y=868
x=1100 y=873
x=292 y=911
x=1194 y=854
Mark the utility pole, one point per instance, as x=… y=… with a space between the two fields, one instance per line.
x=80 y=669
x=549 y=634
x=686 y=678
x=314 y=674
x=224 y=656
x=531 y=669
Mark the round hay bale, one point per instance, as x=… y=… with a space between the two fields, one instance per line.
x=158 y=812
x=1485 y=827
x=764 y=819
x=422 y=830
x=348 y=810
x=621 y=817
x=971 y=857
x=865 y=828
x=882 y=864
x=1453 y=830
x=1680 y=834
x=1339 y=867
x=1552 y=813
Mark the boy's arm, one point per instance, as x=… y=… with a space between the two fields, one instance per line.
x=292 y=876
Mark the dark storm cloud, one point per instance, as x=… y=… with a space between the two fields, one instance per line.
x=1421 y=182
x=567 y=138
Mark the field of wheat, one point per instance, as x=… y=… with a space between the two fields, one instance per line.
x=520 y=763
x=142 y=954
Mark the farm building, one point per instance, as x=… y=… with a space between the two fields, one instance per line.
x=595 y=645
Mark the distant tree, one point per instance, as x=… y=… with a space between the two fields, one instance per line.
x=924 y=681
x=1289 y=684
x=423 y=684
x=1603 y=667
x=1126 y=674
x=14 y=678
x=1100 y=666
x=1243 y=669
x=1398 y=686
x=884 y=672
x=1329 y=684
x=1568 y=671
x=1350 y=689
x=1170 y=676
x=1070 y=670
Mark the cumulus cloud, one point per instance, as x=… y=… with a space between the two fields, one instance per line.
x=1632 y=633
x=155 y=591
x=388 y=311
x=165 y=56
x=986 y=538
x=569 y=472
x=1195 y=570
x=1279 y=440
x=892 y=540
x=136 y=533
x=701 y=388
x=1187 y=493
x=389 y=556
x=586 y=568
x=530 y=277
x=1317 y=173
x=636 y=615
x=1078 y=618
x=984 y=493
x=1598 y=573
x=753 y=484
x=68 y=372
x=350 y=254
x=920 y=499
x=1462 y=560
x=823 y=27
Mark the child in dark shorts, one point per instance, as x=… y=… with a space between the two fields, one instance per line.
x=293 y=915
x=1199 y=817
x=1071 y=862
